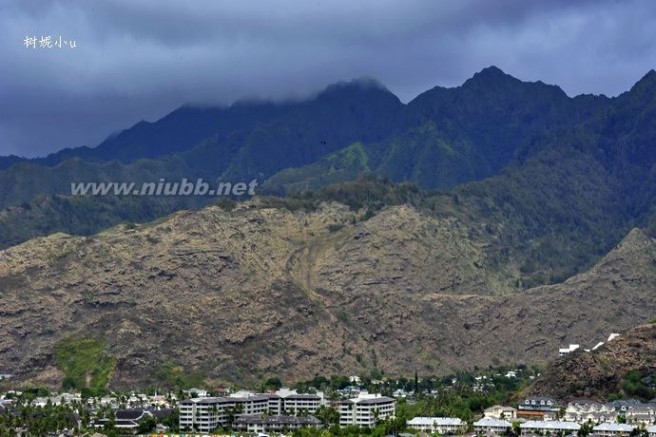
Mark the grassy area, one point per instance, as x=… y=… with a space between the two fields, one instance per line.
x=175 y=376
x=85 y=363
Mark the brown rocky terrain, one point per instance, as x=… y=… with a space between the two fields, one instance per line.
x=258 y=291
x=604 y=371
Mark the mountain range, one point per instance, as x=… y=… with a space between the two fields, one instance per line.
x=482 y=224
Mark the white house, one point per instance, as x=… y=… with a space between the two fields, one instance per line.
x=613 y=429
x=583 y=410
x=641 y=414
x=488 y=424
x=500 y=412
x=441 y=425
x=548 y=427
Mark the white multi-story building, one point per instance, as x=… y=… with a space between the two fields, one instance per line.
x=366 y=411
x=203 y=414
x=441 y=425
x=207 y=414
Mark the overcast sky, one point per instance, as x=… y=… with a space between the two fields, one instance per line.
x=140 y=59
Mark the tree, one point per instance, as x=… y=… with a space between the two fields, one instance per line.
x=327 y=415
x=146 y=425
x=516 y=429
x=273 y=384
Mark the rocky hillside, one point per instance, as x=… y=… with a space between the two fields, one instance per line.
x=257 y=291
x=623 y=367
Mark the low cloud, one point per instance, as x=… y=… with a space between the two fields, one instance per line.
x=141 y=59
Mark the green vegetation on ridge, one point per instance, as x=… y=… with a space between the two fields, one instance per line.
x=85 y=364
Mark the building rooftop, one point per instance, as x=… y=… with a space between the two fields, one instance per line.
x=622 y=427
x=538 y=424
x=304 y=396
x=427 y=421
x=373 y=401
x=497 y=423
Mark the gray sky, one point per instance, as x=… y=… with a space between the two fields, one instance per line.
x=140 y=59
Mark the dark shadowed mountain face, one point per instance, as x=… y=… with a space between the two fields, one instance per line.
x=359 y=110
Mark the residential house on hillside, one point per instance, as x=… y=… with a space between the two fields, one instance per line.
x=621 y=406
x=641 y=414
x=583 y=410
x=538 y=408
x=500 y=412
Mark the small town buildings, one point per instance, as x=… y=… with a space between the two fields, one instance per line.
x=613 y=429
x=366 y=410
x=548 y=427
x=488 y=424
x=440 y=425
x=500 y=412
